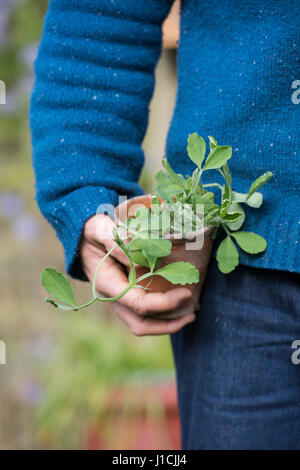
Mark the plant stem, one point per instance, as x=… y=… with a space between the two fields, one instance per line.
x=98 y=267
x=145 y=276
x=117 y=297
x=213 y=184
x=228 y=180
x=131 y=284
x=90 y=302
x=193 y=187
x=226 y=230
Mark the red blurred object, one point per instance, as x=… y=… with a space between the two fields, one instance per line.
x=138 y=418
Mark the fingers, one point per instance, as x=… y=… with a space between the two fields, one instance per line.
x=98 y=230
x=112 y=280
x=105 y=236
x=142 y=326
x=146 y=303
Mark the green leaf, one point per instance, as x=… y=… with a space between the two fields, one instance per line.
x=225 y=204
x=218 y=157
x=255 y=200
x=167 y=188
x=239 y=197
x=227 y=256
x=179 y=273
x=235 y=207
x=151 y=259
x=212 y=142
x=138 y=258
x=135 y=245
x=177 y=178
x=232 y=217
x=58 y=286
x=196 y=148
x=258 y=183
x=59 y=305
x=250 y=242
x=205 y=198
x=157 y=247
x=225 y=201
x=213 y=217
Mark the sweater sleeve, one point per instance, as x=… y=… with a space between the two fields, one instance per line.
x=89 y=108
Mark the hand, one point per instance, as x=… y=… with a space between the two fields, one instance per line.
x=137 y=305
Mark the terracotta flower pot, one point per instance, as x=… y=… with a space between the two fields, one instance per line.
x=180 y=252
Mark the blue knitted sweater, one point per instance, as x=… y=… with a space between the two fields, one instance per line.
x=237 y=62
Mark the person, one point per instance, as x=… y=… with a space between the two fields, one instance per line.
x=237 y=385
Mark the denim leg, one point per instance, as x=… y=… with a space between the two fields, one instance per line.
x=237 y=385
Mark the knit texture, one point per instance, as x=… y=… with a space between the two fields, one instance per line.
x=90 y=104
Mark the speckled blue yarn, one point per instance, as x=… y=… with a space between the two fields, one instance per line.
x=89 y=108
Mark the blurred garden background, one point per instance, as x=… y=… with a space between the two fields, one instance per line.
x=71 y=380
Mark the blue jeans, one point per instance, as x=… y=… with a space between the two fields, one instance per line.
x=237 y=385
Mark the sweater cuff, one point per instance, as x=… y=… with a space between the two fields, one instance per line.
x=69 y=217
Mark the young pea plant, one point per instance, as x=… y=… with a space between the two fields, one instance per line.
x=174 y=207
x=229 y=215
x=140 y=250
